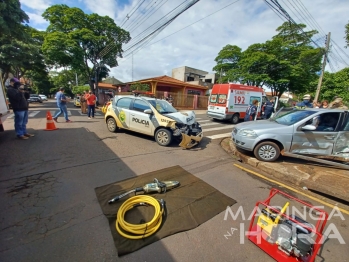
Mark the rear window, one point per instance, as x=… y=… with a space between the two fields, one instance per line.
x=218 y=99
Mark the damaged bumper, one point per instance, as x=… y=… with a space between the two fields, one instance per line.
x=190 y=141
x=191 y=134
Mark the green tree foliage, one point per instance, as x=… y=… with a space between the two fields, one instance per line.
x=79 y=89
x=139 y=86
x=74 y=39
x=12 y=34
x=12 y=18
x=335 y=84
x=287 y=62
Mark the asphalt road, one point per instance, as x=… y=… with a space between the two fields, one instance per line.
x=49 y=210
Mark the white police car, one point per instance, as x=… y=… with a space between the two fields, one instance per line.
x=153 y=117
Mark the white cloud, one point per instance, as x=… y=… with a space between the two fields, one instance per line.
x=243 y=23
x=37 y=19
x=39 y=5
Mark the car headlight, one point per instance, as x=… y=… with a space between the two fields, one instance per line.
x=248 y=133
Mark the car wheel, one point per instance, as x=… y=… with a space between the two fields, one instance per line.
x=235 y=119
x=163 y=137
x=267 y=151
x=111 y=125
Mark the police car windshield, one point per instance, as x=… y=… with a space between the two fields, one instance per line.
x=162 y=106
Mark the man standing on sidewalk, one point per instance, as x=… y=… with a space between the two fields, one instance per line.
x=62 y=105
x=18 y=99
x=91 y=101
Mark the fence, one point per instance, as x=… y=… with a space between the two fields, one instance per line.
x=189 y=101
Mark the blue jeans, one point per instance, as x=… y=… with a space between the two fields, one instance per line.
x=62 y=109
x=91 y=108
x=21 y=120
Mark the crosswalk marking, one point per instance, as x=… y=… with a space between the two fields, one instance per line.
x=210 y=124
x=54 y=112
x=204 y=121
x=33 y=113
x=96 y=114
x=219 y=136
x=218 y=128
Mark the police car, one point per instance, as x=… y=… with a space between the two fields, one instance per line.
x=153 y=117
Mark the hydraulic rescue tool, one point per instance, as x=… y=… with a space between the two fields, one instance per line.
x=155 y=187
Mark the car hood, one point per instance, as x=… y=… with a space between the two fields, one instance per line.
x=260 y=125
x=187 y=117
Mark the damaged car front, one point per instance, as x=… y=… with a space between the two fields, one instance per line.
x=183 y=124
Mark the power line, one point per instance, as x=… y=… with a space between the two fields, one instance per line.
x=132 y=11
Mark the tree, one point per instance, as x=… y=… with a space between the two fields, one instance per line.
x=335 y=84
x=139 y=86
x=287 y=62
x=12 y=34
x=227 y=60
x=76 y=40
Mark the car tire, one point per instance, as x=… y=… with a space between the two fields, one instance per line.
x=267 y=151
x=235 y=119
x=163 y=137
x=111 y=125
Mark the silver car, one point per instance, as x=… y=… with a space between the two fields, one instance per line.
x=312 y=132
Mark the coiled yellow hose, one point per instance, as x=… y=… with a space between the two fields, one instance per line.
x=138 y=231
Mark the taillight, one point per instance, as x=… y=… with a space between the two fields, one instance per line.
x=226 y=109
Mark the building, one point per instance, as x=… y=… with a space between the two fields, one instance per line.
x=185 y=94
x=194 y=76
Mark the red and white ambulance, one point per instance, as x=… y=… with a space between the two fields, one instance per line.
x=230 y=101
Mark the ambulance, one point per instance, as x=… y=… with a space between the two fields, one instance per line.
x=230 y=101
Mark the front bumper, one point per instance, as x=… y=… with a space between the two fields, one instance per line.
x=244 y=142
x=190 y=141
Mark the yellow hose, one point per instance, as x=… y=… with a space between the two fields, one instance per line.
x=138 y=231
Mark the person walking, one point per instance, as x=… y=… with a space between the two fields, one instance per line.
x=18 y=99
x=62 y=105
x=91 y=102
x=251 y=111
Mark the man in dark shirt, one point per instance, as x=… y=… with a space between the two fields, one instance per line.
x=18 y=99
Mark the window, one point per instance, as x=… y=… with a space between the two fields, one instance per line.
x=222 y=99
x=326 y=122
x=292 y=117
x=124 y=103
x=140 y=105
x=189 y=78
x=194 y=92
x=213 y=99
x=254 y=98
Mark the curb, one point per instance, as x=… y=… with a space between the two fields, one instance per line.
x=329 y=181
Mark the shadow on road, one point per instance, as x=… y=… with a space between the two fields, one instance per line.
x=49 y=207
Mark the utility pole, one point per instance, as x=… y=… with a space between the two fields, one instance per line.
x=132 y=66
x=323 y=67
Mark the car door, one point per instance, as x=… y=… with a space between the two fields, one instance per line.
x=140 y=121
x=122 y=111
x=341 y=147
x=320 y=141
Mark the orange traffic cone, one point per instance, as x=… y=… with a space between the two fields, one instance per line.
x=50 y=125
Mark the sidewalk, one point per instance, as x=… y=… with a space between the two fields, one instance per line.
x=327 y=180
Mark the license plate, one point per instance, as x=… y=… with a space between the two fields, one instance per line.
x=211 y=107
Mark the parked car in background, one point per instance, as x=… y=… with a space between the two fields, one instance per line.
x=310 y=132
x=34 y=98
x=43 y=97
x=77 y=101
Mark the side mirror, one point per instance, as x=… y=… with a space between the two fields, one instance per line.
x=309 y=128
x=148 y=111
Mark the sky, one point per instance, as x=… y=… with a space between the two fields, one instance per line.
x=195 y=38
